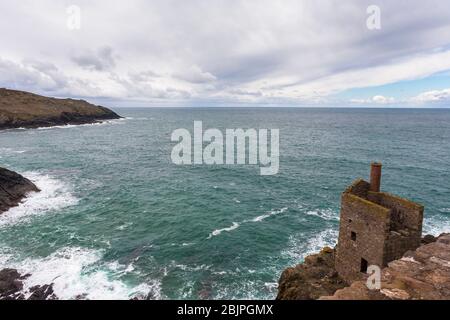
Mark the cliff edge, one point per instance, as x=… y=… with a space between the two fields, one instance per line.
x=422 y=274
x=19 y=109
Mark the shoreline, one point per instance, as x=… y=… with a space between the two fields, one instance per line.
x=20 y=109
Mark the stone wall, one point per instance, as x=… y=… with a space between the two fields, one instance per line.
x=363 y=233
x=423 y=274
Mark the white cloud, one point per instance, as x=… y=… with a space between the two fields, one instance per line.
x=435 y=96
x=251 y=51
x=378 y=99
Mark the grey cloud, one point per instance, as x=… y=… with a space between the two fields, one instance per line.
x=31 y=75
x=204 y=49
x=101 y=60
x=194 y=74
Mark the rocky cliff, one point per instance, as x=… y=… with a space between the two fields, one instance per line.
x=314 y=278
x=20 y=109
x=11 y=288
x=421 y=274
x=13 y=189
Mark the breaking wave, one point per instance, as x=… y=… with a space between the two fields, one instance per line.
x=299 y=247
x=326 y=214
x=219 y=231
x=236 y=225
x=77 y=273
x=54 y=195
x=269 y=214
x=101 y=123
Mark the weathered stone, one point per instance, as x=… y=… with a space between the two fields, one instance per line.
x=408 y=278
x=310 y=280
x=375 y=228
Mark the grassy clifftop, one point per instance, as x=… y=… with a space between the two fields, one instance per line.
x=19 y=109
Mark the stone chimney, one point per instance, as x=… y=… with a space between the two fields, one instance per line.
x=375 y=176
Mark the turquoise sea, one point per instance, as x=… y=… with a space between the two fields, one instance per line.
x=116 y=219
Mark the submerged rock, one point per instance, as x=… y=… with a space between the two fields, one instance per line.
x=13 y=189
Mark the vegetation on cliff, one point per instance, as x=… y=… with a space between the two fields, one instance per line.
x=19 y=109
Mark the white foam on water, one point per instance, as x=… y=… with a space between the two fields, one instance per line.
x=219 y=231
x=436 y=226
x=299 y=247
x=9 y=151
x=269 y=214
x=236 y=225
x=326 y=214
x=100 y=123
x=76 y=273
x=54 y=195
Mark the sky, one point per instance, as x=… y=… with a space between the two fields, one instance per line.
x=229 y=52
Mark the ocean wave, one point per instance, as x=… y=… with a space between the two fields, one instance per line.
x=236 y=225
x=244 y=290
x=299 y=247
x=436 y=226
x=77 y=273
x=9 y=151
x=100 y=123
x=269 y=214
x=326 y=214
x=54 y=195
x=219 y=231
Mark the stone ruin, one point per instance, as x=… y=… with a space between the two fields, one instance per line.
x=375 y=227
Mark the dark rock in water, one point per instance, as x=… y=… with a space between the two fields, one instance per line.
x=19 y=109
x=10 y=283
x=13 y=188
x=44 y=292
x=312 y=279
x=11 y=286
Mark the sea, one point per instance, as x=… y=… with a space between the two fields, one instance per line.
x=116 y=219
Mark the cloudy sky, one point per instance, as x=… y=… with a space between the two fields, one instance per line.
x=229 y=52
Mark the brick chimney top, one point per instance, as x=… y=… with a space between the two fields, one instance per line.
x=375 y=176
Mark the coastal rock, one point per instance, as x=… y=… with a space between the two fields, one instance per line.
x=11 y=287
x=423 y=274
x=10 y=284
x=13 y=188
x=312 y=279
x=19 y=109
x=420 y=274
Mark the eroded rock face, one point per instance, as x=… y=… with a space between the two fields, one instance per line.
x=11 y=288
x=13 y=189
x=312 y=279
x=19 y=109
x=423 y=274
